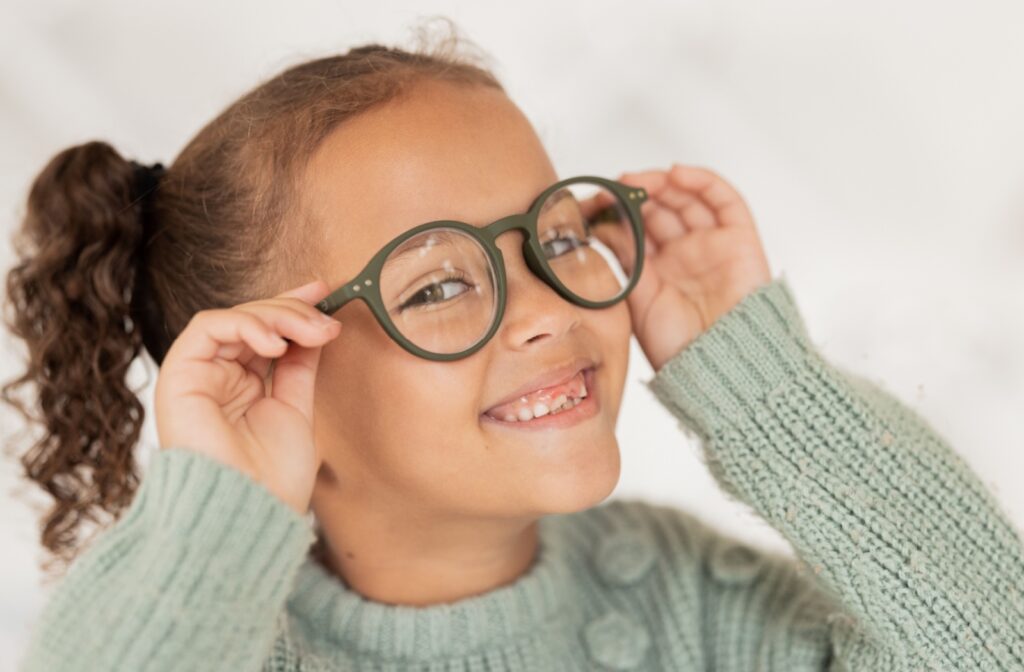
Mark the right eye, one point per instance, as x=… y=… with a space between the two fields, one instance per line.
x=443 y=290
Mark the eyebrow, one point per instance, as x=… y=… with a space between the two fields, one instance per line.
x=439 y=236
x=442 y=236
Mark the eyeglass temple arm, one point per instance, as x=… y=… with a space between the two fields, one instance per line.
x=338 y=298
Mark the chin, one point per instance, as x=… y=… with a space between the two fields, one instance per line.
x=577 y=485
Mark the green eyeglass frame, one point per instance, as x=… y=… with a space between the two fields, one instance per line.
x=366 y=285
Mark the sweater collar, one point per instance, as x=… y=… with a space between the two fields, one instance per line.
x=327 y=609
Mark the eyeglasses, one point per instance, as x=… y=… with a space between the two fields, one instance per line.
x=439 y=289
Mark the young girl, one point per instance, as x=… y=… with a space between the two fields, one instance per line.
x=422 y=488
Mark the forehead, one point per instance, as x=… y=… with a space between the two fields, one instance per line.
x=444 y=151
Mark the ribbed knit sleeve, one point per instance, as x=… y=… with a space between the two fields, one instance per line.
x=906 y=559
x=193 y=576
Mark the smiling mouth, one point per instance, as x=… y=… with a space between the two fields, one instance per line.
x=562 y=405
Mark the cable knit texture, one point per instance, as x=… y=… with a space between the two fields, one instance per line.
x=905 y=561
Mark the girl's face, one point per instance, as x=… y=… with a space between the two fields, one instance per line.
x=402 y=433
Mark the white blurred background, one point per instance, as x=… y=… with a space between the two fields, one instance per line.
x=880 y=146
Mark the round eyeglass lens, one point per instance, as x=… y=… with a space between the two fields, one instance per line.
x=440 y=290
x=587 y=240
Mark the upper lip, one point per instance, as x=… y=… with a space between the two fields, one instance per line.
x=552 y=376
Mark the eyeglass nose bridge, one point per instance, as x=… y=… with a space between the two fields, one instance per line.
x=524 y=222
x=521 y=222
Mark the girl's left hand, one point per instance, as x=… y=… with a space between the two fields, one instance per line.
x=703 y=255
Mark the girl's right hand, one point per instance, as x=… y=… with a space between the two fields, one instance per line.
x=212 y=393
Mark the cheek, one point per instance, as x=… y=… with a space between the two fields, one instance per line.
x=613 y=328
x=396 y=418
x=429 y=447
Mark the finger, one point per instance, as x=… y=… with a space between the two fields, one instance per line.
x=301 y=298
x=669 y=212
x=690 y=208
x=260 y=326
x=662 y=222
x=296 y=321
x=247 y=357
x=210 y=329
x=673 y=211
x=244 y=354
x=652 y=181
x=721 y=197
x=294 y=378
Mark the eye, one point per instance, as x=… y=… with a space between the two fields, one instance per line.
x=443 y=290
x=561 y=244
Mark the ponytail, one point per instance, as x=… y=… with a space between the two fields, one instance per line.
x=70 y=299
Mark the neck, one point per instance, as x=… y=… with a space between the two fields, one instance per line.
x=400 y=552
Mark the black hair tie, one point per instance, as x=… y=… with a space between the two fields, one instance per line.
x=143 y=311
x=147 y=178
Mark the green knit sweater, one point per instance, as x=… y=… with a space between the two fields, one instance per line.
x=905 y=561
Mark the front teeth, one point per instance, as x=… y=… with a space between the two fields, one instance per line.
x=561 y=403
x=539 y=409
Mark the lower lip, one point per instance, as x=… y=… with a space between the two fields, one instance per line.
x=578 y=413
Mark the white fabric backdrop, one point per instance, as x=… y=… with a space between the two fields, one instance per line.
x=878 y=144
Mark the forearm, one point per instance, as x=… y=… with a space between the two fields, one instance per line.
x=193 y=574
x=875 y=503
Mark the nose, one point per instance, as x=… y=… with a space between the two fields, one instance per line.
x=534 y=312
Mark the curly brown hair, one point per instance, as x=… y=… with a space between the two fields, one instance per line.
x=90 y=291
